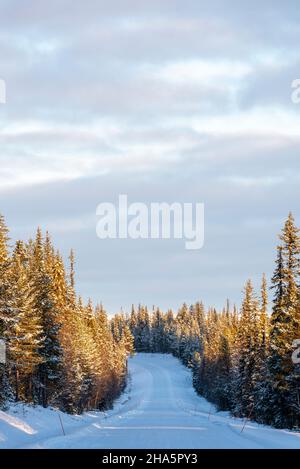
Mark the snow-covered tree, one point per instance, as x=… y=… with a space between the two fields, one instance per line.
x=284 y=378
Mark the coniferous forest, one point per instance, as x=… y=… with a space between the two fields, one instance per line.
x=60 y=352
x=63 y=353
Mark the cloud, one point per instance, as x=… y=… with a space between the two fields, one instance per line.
x=176 y=101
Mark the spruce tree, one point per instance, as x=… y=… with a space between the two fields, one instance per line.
x=260 y=372
x=142 y=333
x=284 y=328
x=158 y=343
x=25 y=335
x=244 y=378
x=49 y=376
x=7 y=316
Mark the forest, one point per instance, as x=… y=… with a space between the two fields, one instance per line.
x=59 y=352
x=241 y=360
x=63 y=353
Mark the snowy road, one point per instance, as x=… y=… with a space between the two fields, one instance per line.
x=159 y=410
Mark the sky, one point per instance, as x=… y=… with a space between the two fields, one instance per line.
x=165 y=101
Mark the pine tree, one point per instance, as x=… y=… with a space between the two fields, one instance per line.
x=158 y=343
x=6 y=310
x=182 y=319
x=25 y=337
x=49 y=376
x=171 y=333
x=244 y=382
x=121 y=331
x=223 y=370
x=7 y=316
x=283 y=397
x=264 y=320
x=142 y=332
x=260 y=372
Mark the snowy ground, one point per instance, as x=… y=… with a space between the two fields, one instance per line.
x=159 y=409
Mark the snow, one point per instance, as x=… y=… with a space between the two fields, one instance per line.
x=159 y=409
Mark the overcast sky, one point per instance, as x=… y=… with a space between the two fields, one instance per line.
x=185 y=101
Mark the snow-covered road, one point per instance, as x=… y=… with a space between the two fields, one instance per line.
x=158 y=410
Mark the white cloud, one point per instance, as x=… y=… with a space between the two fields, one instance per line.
x=259 y=121
x=248 y=181
x=208 y=72
x=169 y=99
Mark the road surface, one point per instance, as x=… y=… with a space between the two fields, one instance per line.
x=159 y=409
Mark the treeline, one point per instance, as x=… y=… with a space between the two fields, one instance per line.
x=59 y=351
x=63 y=353
x=241 y=360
